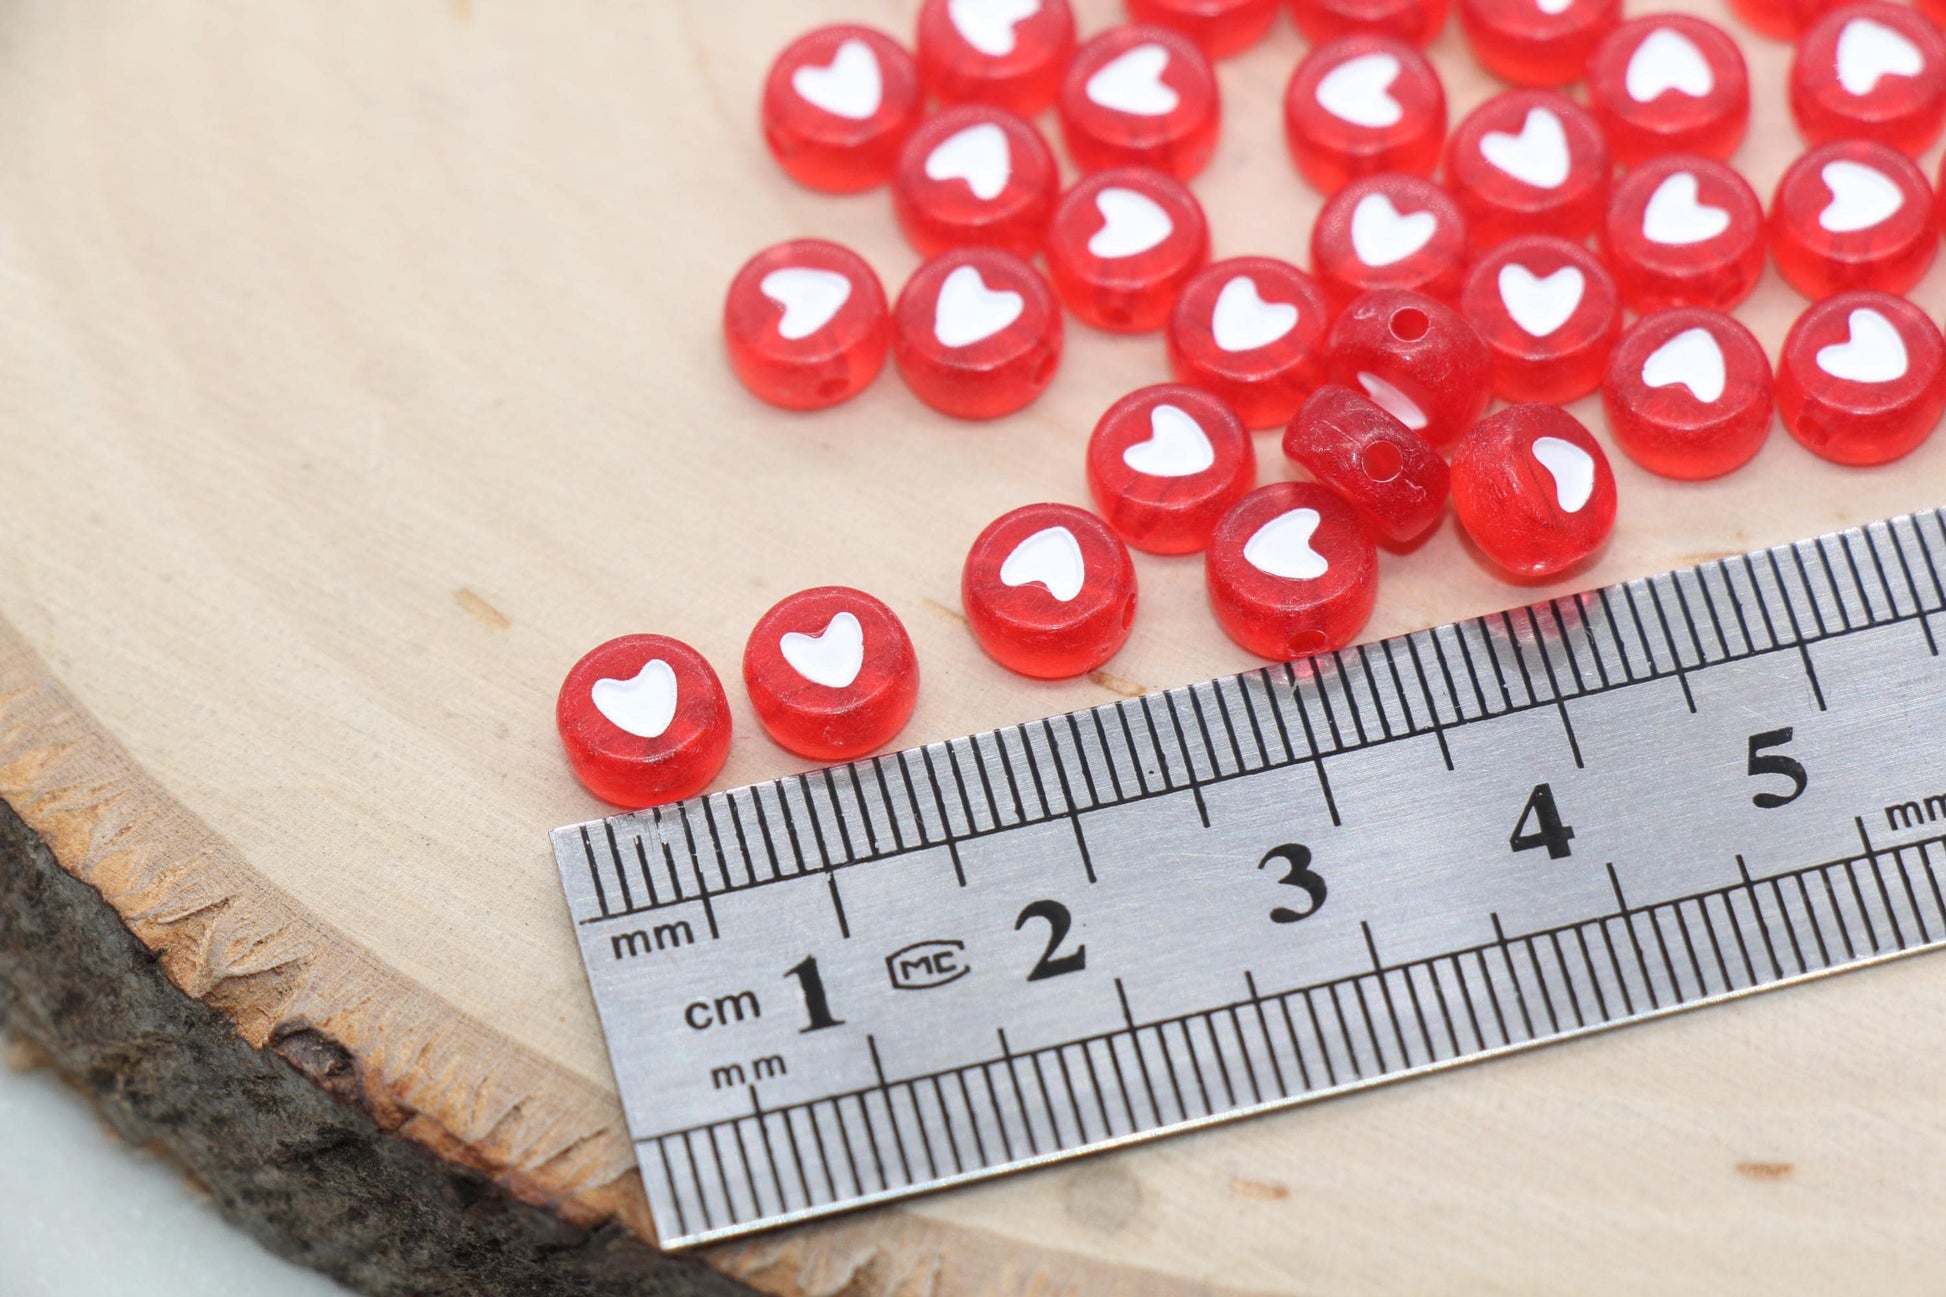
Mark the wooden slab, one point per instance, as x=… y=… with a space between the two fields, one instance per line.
x=361 y=371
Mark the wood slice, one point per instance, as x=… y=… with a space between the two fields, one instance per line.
x=362 y=371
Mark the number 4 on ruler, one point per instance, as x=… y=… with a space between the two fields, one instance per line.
x=1548 y=830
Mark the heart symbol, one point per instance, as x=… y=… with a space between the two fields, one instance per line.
x=1872 y=353
x=1540 y=305
x=1861 y=196
x=1394 y=402
x=1176 y=446
x=831 y=657
x=978 y=155
x=1691 y=359
x=1051 y=557
x=643 y=706
x=1282 y=547
x=1131 y=223
x=1538 y=156
x=1244 y=321
x=1553 y=8
x=967 y=311
x=1382 y=237
x=1667 y=60
x=1357 y=91
x=1869 y=50
x=810 y=297
x=988 y=25
x=1132 y=83
x=1572 y=468
x=849 y=86
x=1674 y=217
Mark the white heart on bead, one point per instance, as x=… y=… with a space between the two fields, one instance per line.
x=1359 y=91
x=1553 y=8
x=810 y=297
x=832 y=657
x=1676 y=217
x=1282 y=547
x=1132 y=83
x=1692 y=359
x=1394 y=402
x=1873 y=351
x=988 y=25
x=967 y=311
x=850 y=86
x=1541 y=304
x=1131 y=224
x=1243 y=321
x=1572 y=468
x=1667 y=60
x=978 y=155
x=1868 y=51
x=1382 y=236
x=1861 y=196
x=1538 y=156
x=1176 y=447
x=1051 y=557
x=642 y=705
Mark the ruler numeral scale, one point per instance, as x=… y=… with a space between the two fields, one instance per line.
x=878 y=979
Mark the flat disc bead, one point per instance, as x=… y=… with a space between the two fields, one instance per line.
x=805 y=324
x=838 y=103
x=1529 y=162
x=1533 y=490
x=1251 y=330
x=1669 y=83
x=1852 y=214
x=1413 y=21
x=1220 y=28
x=1519 y=41
x=1361 y=105
x=1123 y=244
x=831 y=673
x=1291 y=571
x=1688 y=393
x=1164 y=463
x=1549 y=314
x=976 y=333
x=1417 y=359
x=1862 y=378
x=1873 y=71
x=1684 y=230
x=1390 y=231
x=989 y=52
x=643 y=721
x=975 y=175
x=1390 y=474
x=1140 y=96
x=1049 y=591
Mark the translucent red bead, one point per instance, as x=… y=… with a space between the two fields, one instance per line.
x=643 y=721
x=1251 y=330
x=1291 y=571
x=1533 y=490
x=1417 y=359
x=838 y=103
x=1669 y=83
x=1001 y=52
x=975 y=175
x=1684 y=230
x=1852 y=214
x=1122 y=246
x=1390 y=474
x=1688 y=393
x=1164 y=463
x=1140 y=96
x=1862 y=378
x=1413 y=21
x=976 y=333
x=1390 y=231
x=1873 y=71
x=831 y=673
x=805 y=324
x=1537 y=42
x=1219 y=27
x=1049 y=591
x=1360 y=105
x=1529 y=162
x=1549 y=315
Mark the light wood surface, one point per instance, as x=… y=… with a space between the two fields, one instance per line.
x=361 y=370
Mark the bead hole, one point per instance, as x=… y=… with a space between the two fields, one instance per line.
x=1409 y=324
x=1381 y=461
x=1308 y=643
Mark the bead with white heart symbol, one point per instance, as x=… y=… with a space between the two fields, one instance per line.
x=1164 y=462
x=1533 y=489
x=1684 y=231
x=1549 y=313
x=1249 y=331
x=1132 y=83
x=1123 y=244
x=809 y=296
x=1357 y=91
x=1668 y=84
x=975 y=174
x=832 y=657
x=1244 y=321
x=1688 y=393
x=1852 y=214
x=1177 y=446
x=1861 y=197
x=1383 y=236
x=1861 y=378
x=1529 y=162
x=850 y=86
x=1869 y=51
x=1051 y=559
x=1666 y=61
x=642 y=705
x=1291 y=571
x=805 y=324
x=1418 y=359
x=1541 y=304
x=1870 y=71
x=838 y=103
x=1363 y=105
x=977 y=155
x=1536 y=42
x=1140 y=96
x=1131 y=223
x=976 y=333
x=831 y=673
x=1392 y=231
x=1872 y=352
x=1675 y=217
x=967 y=311
x=1048 y=591
x=1005 y=54
x=1537 y=155
x=1571 y=467
x=1693 y=359
x=643 y=720
x=988 y=25
x=1220 y=28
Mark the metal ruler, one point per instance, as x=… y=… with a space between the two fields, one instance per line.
x=861 y=983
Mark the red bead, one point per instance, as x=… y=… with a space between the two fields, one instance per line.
x=1008 y=53
x=1528 y=162
x=1360 y=105
x=1549 y=315
x=976 y=333
x=1390 y=231
x=1386 y=471
x=975 y=175
x=805 y=324
x=1124 y=243
x=1220 y=27
x=1413 y=21
x=838 y=103
x=831 y=673
x=1140 y=97
x=1165 y=463
x=1872 y=71
x=1669 y=83
x=1688 y=393
x=1533 y=490
x=1251 y=330
x=1537 y=42
x=1862 y=378
x=1049 y=591
x=1291 y=571
x=1684 y=231
x=1852 y=214
x=1417 y=359
x=644 y=721
x=1784 y=19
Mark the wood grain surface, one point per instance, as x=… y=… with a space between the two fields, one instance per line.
x=361 y=370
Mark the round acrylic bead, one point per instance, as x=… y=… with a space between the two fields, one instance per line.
x=1414 y=357
x=1001 y=52
x=1123 y=245
x=1528 y=162
x=1049 y=591
x=1852 y=214
x=1549 y=315
x=831 y=673
x=838 y=103
x=1140 y=97
x=1165 y=463
x=1220 y=27
x=975 y=175
x=1688 y=393
x=1413 y=21
x=1251 y=330
x=1874 y=71
x=976 y=333
x=1534 y=490
x=1363 y=104
x=1862 y=378
x=1669 y=83
x=1389 y=473
x=643 y=720
x=805 y=324
x=1390 y=231
x=1291 y=571
x=1684 y=231
x=1537 y=42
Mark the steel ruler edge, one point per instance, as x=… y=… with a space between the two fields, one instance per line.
x=1142 y=810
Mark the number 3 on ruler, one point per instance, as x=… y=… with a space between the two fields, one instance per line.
x=1296 y=859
